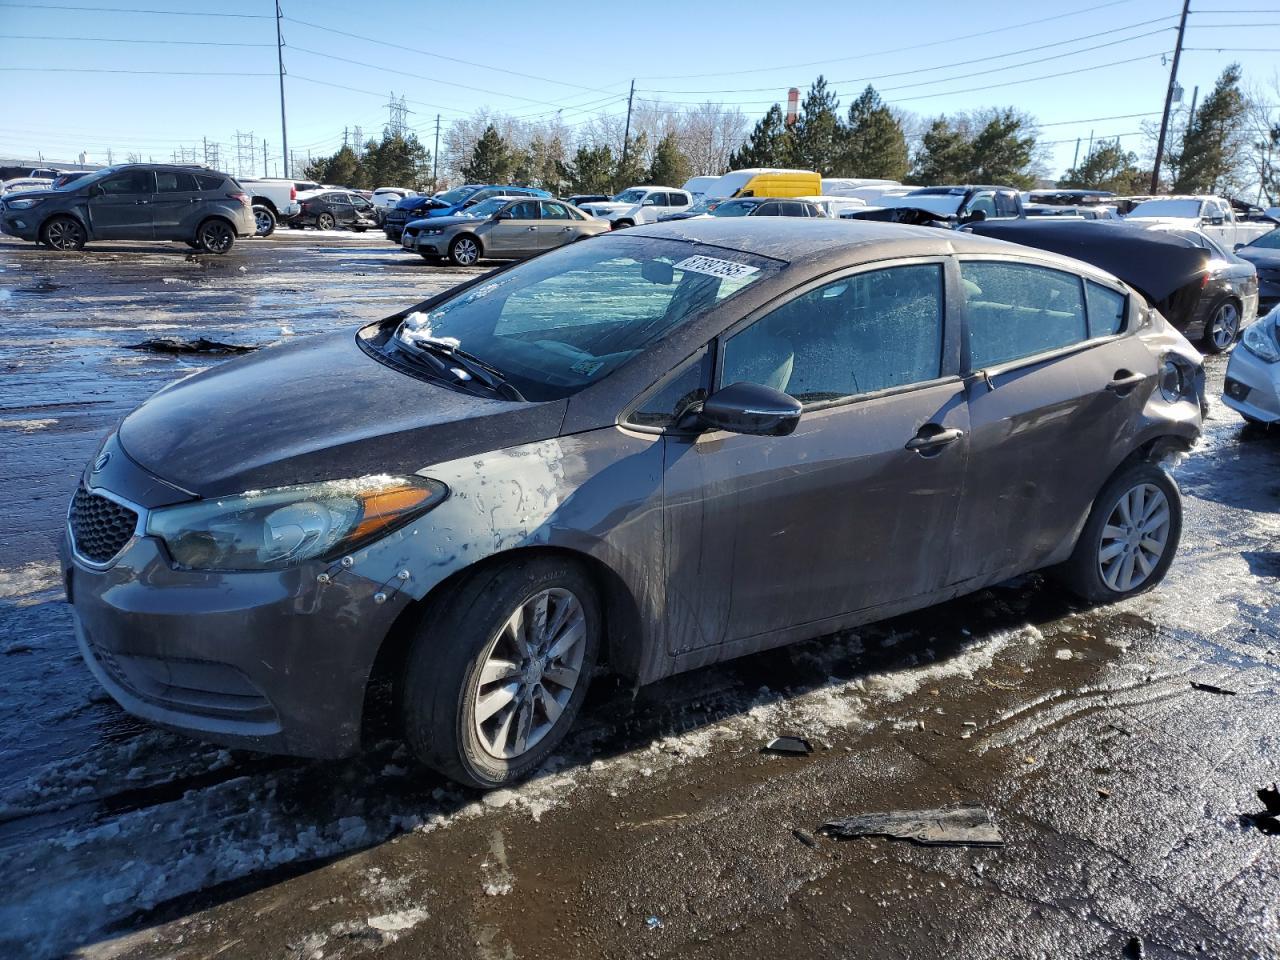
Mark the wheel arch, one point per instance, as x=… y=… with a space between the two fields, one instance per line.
x=71 y=214
x=215 y=216
x=471 y=235
x=622 y=647
x=265 y=202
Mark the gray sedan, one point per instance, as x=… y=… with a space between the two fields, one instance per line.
x=500 y=228
x=664 y=448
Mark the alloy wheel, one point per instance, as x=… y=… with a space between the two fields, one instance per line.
x=1225 y=325
x=325 y=221
x=216 y=237
x=465 y=252
x=529 y=673
x=264 y=221
x=1134 y=538
x=64 y=235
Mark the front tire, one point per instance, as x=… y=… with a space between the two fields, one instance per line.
x=215 y=236
x=464 y=251
x=64 y=234
x=499 y=669
x=1130 y=538
x=1223 y=327
x=265 y=220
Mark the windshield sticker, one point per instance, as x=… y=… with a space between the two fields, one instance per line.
x=713 y=267
x=587 y=368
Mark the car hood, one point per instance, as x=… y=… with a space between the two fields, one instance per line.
x=610 y=207
x=317 y=409
x=452 y=220
x=1260 y=257
x=31 y=195
x=1182 y=223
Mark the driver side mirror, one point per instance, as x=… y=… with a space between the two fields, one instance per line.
x=1214 y=221
x=974 y=216
x=1237 y=248
x=752 y=409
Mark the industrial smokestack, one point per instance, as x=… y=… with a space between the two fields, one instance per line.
x=793 y=105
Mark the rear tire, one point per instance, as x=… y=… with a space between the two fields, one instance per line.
x=63 y=233
x=499 y=668
x=325 y=221
x=215 y=236
x=1130 y=538
x=265 y=220
x=1222 y=328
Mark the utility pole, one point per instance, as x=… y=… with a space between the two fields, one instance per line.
x=435 y=158
x=1168 y=98
x=626 y=136
x=1195 y=95
x=265 y=173
x=1075 y=160
x=279 y=58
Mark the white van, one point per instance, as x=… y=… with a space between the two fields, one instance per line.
x=848 y=186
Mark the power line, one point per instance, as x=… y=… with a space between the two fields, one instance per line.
x=372 y=93
x=151 y=73
x=969 y=61
x=439 y=56
x=881 y=53
x=184 y=43
x=163 y=13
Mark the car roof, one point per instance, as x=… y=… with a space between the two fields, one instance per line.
x=959 y=188
x=841 y=242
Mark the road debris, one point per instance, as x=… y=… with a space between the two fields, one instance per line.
x=805 y=838
x=654 y=923
x=1268 y=819
x=179 y=345
x=1103 y=792
x=1210 y=688
x=788 y=745
x=1133 y=950
x=955 y=826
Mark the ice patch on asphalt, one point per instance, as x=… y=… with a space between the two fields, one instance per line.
x=28 y=580
x=26 y=426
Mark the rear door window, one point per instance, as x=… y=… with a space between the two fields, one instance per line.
x=861 y=334
x=210 y=183
x=554 y=211
x=171 y=181
x=1106 y=309
x=1017 y=310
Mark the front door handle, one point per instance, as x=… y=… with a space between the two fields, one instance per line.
x=1123 y=382
x=140 y=203
x=931 y=439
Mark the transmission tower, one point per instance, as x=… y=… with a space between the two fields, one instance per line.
x=212 y=154
x=246 y=150
x=357 y=139
x=398 y=125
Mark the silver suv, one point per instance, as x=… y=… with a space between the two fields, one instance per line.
x=202 y=207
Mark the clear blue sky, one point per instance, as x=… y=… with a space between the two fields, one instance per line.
x=579 y=56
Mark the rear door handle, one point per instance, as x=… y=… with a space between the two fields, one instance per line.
x=1123 y=382
x=931 y=438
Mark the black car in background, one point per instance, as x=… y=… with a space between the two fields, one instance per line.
x=134 y=201
x=337 y=208
x=578 y=199
x=1264 y=254
x=1206 y=292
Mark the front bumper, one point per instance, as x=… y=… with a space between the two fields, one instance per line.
x=272 y=660
x=1252 y=386
x=16 y=225
x=419 y=243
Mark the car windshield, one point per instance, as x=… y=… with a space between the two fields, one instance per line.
x=456 y=195
x=567 y=319
x=1268 y=241
x=734 y=208
x=944 y=204
x=87 y=179
x=487 y=208
x=1183 y=209
x=629 y=196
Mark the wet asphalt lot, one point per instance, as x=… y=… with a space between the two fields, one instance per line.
x=660 y=829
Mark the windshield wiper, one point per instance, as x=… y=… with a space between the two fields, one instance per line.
x=468 y=365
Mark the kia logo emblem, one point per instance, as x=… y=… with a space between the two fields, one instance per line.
x=101 y=462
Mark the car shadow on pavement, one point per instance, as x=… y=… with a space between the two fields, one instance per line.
x=616 y=720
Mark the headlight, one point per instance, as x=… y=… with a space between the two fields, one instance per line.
x=1172 y=382
x=285 y=526
x=433 y=231
x=22 y=204
x=1260 y=340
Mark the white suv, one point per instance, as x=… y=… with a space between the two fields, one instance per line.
x=640 y=205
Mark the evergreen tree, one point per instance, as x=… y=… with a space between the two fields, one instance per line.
x=872 y=143
x=670 y=167
x=491 y=159
x=1002 y=151
x=767 y=146
x=633 y=172
x=815 y=138
x=591 y=170
x=1215 y=144
x=945 y=154
x=1108 y=167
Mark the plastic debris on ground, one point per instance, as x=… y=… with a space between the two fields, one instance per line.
x=789 y=745
x=179 y=345
x=954 y=826
x=1266 y=820
x=1210 y=688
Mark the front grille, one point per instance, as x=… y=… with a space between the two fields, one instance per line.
x=100 y=527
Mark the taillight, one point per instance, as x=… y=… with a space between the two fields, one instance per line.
x=293 y=194
x=242 y=197
x=1204 y=281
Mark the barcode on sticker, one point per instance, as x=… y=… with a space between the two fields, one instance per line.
x=713 y=267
